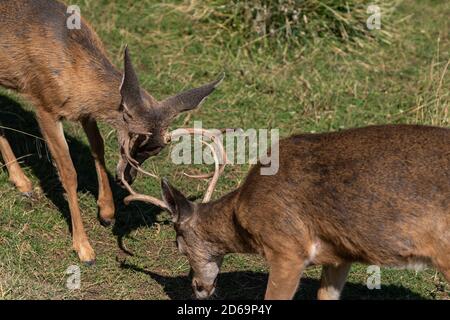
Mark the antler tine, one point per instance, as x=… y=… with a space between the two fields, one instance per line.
x=133 y=162
x=139 y=168
x=212 y=137
x=215 y=178
x=134 y=196
x=219 y=168
x=145 y=198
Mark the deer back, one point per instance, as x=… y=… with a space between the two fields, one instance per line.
x=378 y=194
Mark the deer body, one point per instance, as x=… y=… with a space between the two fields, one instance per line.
x=54 y=66
x=377 y=195
x=66 y=74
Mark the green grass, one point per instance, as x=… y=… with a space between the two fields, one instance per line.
x=321 y=85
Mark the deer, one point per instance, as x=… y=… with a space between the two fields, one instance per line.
x=376 y=195
x=66 y=74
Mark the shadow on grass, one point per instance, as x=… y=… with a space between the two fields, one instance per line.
x=247 y=285
x=33 y=153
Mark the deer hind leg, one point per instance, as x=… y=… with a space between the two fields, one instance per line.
x=284 y=277
x=16 y=175
x=442 y=264
x=105 y=198
x=332 y=281
x=440 y=255
x=54 y=135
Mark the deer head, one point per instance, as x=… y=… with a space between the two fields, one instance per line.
x=146 y=120
x=205 y=257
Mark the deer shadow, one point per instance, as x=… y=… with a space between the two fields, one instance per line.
x=247 y=285
x=31 y=151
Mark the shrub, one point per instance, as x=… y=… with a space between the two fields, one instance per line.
x=293 y=21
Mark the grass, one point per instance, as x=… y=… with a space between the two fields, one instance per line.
x=320 y=85
x=292 y=23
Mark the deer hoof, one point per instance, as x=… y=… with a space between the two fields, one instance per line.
x=89 y=263
x=106 y=222
x=28 y=194
x=106 y=213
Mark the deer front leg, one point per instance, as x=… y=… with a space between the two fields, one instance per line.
x=16 y=175
x=105 y=198
x=332 y=281
x=53 y=133
x=284 y=277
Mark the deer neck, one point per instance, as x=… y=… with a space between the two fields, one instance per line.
x=101 y=95
x=222 y=229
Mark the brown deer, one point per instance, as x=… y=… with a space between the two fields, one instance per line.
x=376 y=195
x=66 y=74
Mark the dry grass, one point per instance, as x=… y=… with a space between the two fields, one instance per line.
x=289 y=23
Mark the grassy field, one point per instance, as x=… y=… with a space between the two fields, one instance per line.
x=320 y=84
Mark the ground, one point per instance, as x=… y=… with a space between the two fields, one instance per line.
x=322 y=86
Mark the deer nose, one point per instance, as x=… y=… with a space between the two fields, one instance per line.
x=198 y=287
x=203 y=291
x=200 y=291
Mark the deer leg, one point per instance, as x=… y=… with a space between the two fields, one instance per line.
x=446 y=274
x=16 y=175
x=284 y=277
x=332 y=281
x=53 y=133
x=105 y=198
x=443 y=265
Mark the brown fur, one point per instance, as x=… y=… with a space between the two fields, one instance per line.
x=377 y=195
x=66 y=74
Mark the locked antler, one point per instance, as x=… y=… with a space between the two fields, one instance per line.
x=132 y=161
x=209 y=134
x=219 y=167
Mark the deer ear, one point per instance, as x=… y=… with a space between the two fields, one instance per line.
x=178 y=205
x=130 y=89
x=189 y=99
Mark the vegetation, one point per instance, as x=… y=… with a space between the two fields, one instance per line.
x=281 y=22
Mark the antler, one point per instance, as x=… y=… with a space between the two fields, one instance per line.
x=207 y=133
x=134 y=196
x=132 y=161
x=219 y=167
x=215 y=178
